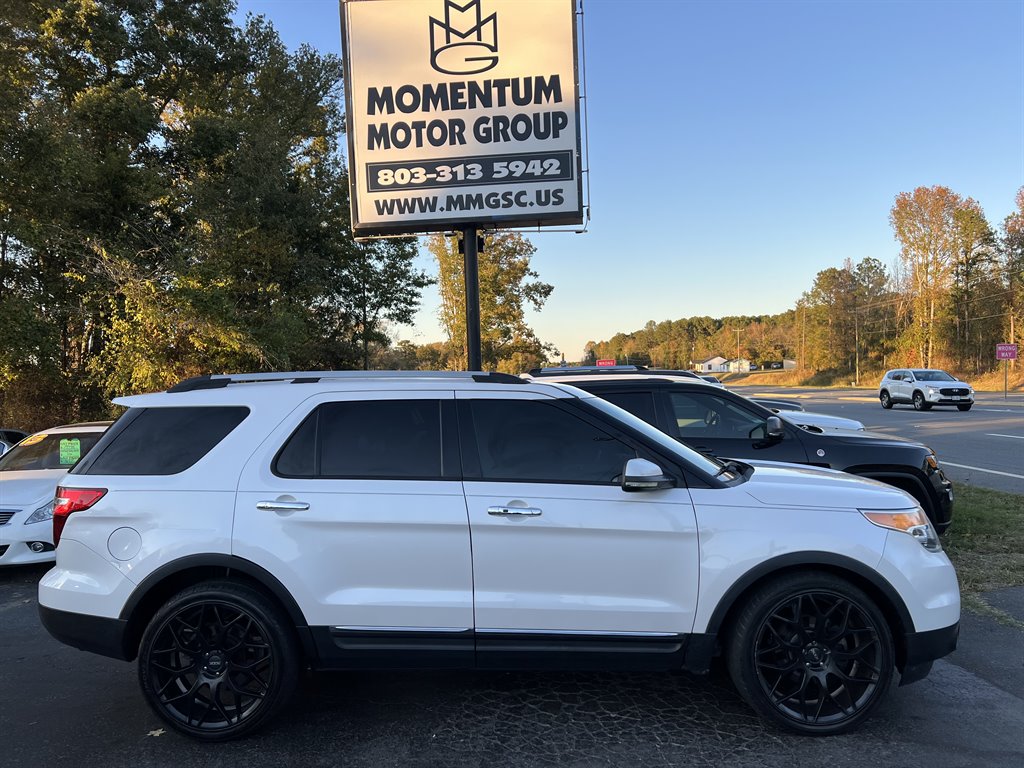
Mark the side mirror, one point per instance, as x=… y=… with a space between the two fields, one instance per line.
x=774 y=429
x=644 y=475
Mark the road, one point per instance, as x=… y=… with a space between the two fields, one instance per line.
x=983 y=446
x=59 y=706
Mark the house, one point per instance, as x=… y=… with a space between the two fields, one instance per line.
x=740 y=365
x=789 y=365
x=716 y=364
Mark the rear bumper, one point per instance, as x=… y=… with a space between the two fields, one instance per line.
x=922 y=648
x=96 y=634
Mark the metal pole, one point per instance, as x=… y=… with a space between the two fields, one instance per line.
x=1006 y=369
x=472 y=275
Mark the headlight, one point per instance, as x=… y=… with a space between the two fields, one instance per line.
x=931 y=462
x=45 y=512
x=911 y=521
x=932 y=390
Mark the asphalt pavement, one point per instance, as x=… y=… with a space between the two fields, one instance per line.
x=983 y=446
x=59 y=706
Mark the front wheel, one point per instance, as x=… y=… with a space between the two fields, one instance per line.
x=218 y=660
x=964 y=407
x=812 y=653
x=920 y=404
x=885 y=400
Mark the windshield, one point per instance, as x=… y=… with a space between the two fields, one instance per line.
x=60 y=450
x=698 y=460
x=932 y=376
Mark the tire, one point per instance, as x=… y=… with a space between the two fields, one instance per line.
x=794 y=670
x=885 y=400
x=218 y=661
x=964 y=407
x=920 y=404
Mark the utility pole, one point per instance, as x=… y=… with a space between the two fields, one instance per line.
x=471 y=246
x=738 y=332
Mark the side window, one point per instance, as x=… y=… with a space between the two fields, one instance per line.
x=366 y=439
x=640 y=404
x=166 y=441
x=704 y=415
x=895 y=375
x=532 y=440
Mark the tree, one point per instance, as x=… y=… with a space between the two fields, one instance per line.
x=508 y=285
x=925 y=224
x=382 y=285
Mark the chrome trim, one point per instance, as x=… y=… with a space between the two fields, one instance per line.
x=583 y=632
x=356 y=628
x=283 y=506
x=514 y=511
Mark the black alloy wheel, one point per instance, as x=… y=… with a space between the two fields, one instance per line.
x=920 y=404
x=886 y=400
x=218 y=660
x=812 y=653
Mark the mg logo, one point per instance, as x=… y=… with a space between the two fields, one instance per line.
x=464 y=43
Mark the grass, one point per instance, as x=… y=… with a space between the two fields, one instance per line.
x=986 y=544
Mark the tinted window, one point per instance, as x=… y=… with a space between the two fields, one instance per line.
x=165 y=441
x=60 y=450
x=528 y=440
x=705 y=415
x=362 y=439
x=638 y=403
x=933 y=376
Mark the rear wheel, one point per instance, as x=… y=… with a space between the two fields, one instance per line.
x=885 y=400
x=966 y=407
x=218 y=660
x=811 y=652
x=920 y=404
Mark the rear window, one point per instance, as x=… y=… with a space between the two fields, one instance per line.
x=164 y=441
x=59 y=450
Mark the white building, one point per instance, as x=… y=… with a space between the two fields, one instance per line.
x=716 y=364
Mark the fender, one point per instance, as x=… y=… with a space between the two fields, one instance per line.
x=702 y=646
x=229 y=563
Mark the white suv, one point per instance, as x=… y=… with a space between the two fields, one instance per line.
x=234 y=529
x=924 y=389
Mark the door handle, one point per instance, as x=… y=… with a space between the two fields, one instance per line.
x=283 y=506
x=513 y=511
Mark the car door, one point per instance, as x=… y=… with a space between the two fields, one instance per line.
x=905 y=386
x=727 y=428
x=355 y=505
x=563 y=558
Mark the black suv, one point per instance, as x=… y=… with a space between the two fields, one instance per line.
x=725 y=424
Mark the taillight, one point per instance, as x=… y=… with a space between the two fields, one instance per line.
x=70 y=500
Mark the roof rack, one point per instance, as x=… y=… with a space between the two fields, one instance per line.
x=218 y=381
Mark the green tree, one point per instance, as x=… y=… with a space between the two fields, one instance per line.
x=508 y=285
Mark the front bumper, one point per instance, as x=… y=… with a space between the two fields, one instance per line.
x=941 y=491
x=923 y=648
x=938 y=398
x=16 y=539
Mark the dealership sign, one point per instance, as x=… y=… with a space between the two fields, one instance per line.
x=1006 y=351
x=461 y=112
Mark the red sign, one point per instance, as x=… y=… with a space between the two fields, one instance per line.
x=605 y=363
x=1006 y=351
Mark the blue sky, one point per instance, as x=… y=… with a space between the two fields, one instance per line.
x=737 y=148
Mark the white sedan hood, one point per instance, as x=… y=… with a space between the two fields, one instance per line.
x=820 y=420
x=21 y=489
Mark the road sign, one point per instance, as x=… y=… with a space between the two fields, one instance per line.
x=605 y=363
x=1006 y=351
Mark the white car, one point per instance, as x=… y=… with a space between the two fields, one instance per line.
x=234 y=529
x=808 y=419
x=29 y=473
x=924 y=388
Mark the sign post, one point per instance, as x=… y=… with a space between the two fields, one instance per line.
x=462 y=115
x=1006 y=353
